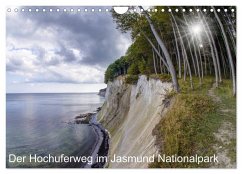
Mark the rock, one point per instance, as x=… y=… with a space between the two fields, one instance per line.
x=84 y=115
x=130 y=113
x=84 y=118
x=102 y=92
x=99 y=108
x=82 y=121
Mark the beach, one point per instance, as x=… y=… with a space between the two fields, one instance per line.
x=101 y=147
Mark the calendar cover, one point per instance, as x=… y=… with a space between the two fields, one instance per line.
x=121 y=87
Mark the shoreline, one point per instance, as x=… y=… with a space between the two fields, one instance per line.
x=101 y=147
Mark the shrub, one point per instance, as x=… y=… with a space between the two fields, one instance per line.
x=185 y=129
x=133 y=69
x=161 y=77
x=131 y=79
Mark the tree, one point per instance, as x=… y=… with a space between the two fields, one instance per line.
x=228 y=51
x=163 y=48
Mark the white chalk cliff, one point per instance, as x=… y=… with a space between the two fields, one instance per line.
x=130 y=113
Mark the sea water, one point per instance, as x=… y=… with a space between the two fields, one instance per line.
x=42 y=125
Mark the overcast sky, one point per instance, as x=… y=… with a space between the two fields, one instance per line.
x=60 y=51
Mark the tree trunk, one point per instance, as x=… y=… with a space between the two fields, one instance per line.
x=163 y=48
x=215 y=51
x=157 y=52
x=154 y=61
x=190 y=49
x=184 y=53
x=196 y=57
x=177 y=50
x=228 y=51
x=213 y=56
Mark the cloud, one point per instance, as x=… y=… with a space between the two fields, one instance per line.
x=62 y=47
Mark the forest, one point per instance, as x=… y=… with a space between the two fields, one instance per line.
x=178 y=43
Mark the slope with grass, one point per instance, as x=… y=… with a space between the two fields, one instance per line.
x=145 y=116
x=200 y=121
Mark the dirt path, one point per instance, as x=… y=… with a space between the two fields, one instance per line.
x=225 y=134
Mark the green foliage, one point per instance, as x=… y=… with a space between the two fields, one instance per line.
x=139 y=59
x=228 y=105
x=188 y=126
x=142 y=66
x=115 y=69
x=131 y=79
x=184 y=129
x=139 y=56
x=170 y=94
x=185 y=86
x=161 y=77
x=133 y=69
x=125 y=22
x=109 y=74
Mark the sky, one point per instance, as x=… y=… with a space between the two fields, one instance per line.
x=60 y=51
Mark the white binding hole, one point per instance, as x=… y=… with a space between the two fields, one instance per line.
x=120 y=10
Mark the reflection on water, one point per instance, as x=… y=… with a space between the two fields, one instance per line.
x=38 y=124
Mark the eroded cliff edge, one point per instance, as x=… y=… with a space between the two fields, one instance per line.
x=130 y=113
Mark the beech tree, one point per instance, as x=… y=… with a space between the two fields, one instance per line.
x=195 y=44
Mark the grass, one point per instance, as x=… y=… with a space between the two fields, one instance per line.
x=228 y=105
x=227 y=100
x=131 y=79
x=161 y=77
x=188 y=126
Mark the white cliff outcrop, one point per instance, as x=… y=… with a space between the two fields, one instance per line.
x=130 y=113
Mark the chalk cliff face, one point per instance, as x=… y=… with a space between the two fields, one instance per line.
x=130 y=113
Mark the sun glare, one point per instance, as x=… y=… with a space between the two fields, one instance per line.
x=196 y=29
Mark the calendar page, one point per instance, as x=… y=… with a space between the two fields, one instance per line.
x=121 y=87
